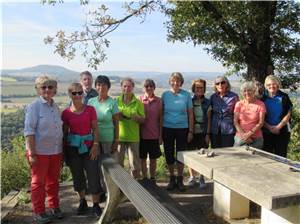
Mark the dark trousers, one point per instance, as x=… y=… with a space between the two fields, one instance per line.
x=81 y=164
x=172 y=137
x=221 y=140
x=276 y=144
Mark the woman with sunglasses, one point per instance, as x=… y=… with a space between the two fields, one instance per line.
x=44 y=136
x=151 y=129
x=81 y=141
x=220 y=117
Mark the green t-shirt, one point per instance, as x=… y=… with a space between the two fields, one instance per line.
x=105 y=111
x=129 y=130
x=198 y=117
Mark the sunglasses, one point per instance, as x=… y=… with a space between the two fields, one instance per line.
x=149 y=86
x=47 y=87
x=77 y=93
x=218 y=83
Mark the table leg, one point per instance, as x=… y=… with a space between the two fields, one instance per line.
x=229 y=204
x=281 y=216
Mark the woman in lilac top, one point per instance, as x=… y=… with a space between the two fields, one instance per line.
x=151 y=129
x=220 y=126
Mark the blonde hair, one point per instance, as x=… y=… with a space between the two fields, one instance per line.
x=198 y=81
x=176 y=75
x=73 y=86
x=274 y=79
x=44 y=80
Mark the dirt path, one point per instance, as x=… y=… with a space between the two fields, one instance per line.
x=199 y=202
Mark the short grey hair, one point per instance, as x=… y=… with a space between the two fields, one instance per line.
x=249 y=85
x=45 y=80
x=176 y=75
x=273 y=78
x=128 y=79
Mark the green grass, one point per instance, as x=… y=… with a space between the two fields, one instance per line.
x=8 y=110
x=7 y=79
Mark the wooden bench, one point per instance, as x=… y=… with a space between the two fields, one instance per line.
x=240 y=176
x=151 y=201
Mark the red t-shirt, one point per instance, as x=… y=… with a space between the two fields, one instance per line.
x=80 y=124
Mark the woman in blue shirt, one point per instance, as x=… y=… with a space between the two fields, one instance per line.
x=220 y=126
x=178 y=124
x=276 y=129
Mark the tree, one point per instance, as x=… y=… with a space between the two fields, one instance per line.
x=252 y=36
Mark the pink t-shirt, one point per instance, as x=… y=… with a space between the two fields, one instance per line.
x=80 y=124
x=150 y=128
x=249 y=115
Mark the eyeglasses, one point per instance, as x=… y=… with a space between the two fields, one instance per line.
x=47 y=87
x=218 y=83
x=77 y=93
x=148 y=86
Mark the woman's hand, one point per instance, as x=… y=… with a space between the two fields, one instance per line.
x=190 y=137
x=114 y=147
x=94 y=152
x=32 y=160
x=274 y=130
x=207 y=139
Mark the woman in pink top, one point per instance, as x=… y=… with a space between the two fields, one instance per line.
x=81 y=142
x=151 y=132
x=249 y=115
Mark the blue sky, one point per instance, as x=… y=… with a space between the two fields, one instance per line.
x=134 y=46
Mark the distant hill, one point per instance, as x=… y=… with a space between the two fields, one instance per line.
x=59 y=72
x=64 y=74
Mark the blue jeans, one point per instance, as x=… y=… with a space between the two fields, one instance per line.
x=256 y=143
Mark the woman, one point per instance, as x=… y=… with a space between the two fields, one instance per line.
x=86 y=81
x=81 y=142
x=151 y=129
x=200 y=139
x=107 y=115
x=220 y=124
x=249 y=115
x=178 y=126
x=43 y=135
x=131 y=116
x=276 y=129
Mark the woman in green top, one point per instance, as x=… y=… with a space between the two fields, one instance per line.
x=107 y=115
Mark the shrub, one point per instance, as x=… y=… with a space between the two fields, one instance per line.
x=14 y=168
x=294 y=145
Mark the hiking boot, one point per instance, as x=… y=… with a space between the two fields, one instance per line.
x=102 y=197
x=42 y=218
x=202 y=183
x=191 y=181
x=153 y=180
x=172 y=184
x=82 y=207
x=180 y=185
x=97 y=210
x=56 y=213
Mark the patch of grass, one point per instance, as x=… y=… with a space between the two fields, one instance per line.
x=7 y=79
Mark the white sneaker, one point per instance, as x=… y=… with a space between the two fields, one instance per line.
x=202 y=183
x=191 y=181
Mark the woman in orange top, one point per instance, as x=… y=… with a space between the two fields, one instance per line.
x=249 y=115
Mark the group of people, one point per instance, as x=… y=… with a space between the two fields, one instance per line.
x=94 y=123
